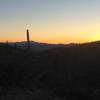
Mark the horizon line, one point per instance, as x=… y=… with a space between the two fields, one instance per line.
x=50 y=43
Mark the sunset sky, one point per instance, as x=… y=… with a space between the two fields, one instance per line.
x=51 y=21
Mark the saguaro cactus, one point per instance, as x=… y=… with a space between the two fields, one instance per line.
x=28 y=39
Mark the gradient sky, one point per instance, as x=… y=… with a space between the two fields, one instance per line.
x=51 y=21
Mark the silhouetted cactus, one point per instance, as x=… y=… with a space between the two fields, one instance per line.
x=28 y=39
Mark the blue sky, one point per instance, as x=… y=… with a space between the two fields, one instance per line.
x=51 y=21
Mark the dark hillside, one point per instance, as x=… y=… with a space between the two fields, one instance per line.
x=72 y=72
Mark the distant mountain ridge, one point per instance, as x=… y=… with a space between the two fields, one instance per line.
x=36 y=45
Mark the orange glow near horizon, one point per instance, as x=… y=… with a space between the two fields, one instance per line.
x=62 y=34
x=57 y=38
